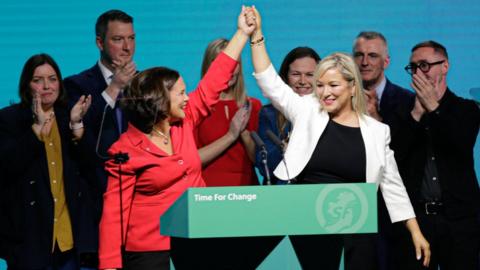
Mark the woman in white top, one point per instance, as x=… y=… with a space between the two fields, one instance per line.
x=335 y=141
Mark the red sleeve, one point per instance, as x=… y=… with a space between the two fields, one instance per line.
x=109 y=234
x=208 y=90
x=253 y=121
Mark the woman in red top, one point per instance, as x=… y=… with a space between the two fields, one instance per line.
x=227 y=151
x=163 y=159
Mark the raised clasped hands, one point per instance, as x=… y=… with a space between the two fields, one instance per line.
x=247 y=20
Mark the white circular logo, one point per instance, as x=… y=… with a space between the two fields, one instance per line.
x=341 y=208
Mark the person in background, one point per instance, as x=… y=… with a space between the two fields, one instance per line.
x=227 y=153
x=384 y=101
x=163 y=158
x=435 y=159
x=334 y=141
x=297 y=71
x=46 y=221
x=228 y=160
x=104 y=82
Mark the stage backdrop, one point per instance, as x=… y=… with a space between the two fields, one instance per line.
x=175 y=34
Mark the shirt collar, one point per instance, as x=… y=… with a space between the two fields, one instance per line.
x=107 y=73
x=380 y=88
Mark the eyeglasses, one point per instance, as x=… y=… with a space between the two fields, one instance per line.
x=423 y=66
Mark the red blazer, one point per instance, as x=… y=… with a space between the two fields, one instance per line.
x=153 y=180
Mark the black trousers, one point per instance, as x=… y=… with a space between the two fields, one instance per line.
x=454 y=243
x=240 y=253
x=325 y=251
x=158 y=260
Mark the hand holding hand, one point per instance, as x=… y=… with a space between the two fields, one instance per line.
x=80 y=109
x=427 y=92
x=246 y=21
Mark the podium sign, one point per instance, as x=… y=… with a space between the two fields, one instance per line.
x=272 y=210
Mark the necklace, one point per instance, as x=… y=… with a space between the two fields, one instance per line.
x=161 y=134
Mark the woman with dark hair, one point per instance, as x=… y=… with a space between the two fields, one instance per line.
x=45 y=220
x=297 y=71
x=163 y=158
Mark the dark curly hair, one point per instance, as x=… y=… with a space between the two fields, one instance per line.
x=146 y=99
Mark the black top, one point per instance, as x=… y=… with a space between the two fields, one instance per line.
x=339 y=157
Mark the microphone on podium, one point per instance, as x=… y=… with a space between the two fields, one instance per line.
x=276 y=140
x=263 y=155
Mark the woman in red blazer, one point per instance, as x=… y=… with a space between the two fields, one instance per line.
x=163 y=159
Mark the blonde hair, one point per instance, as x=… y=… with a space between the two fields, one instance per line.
x=349 y=70
x=213 y=49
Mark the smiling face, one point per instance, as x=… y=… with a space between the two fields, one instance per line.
x=46 y=84
x=334 y=92
x=300 y=75
x=178 y=100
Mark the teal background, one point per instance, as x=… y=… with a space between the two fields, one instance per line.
x=175 y=34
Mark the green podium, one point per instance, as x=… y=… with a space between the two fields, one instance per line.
x=272 y=210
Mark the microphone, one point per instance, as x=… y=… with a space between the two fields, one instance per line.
x=275 y=140
x=280 y=144
x=259 y=142
x=263 y=155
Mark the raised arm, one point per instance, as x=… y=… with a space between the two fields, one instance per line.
x=220 y=71
x=261 y=60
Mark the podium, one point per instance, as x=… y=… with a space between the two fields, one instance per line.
x=272 y=210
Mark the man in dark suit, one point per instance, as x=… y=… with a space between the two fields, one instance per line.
x=384 y=101
x=104 y=122
x=115 y=39
x=435 y=159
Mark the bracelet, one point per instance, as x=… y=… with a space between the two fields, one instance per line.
x=76 y=126
x=257 y=42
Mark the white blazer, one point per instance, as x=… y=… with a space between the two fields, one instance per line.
x=309 y=122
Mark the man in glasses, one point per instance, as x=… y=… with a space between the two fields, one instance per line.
x=435 y=158
x=384 y=100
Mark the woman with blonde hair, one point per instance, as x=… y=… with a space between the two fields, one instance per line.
x=227 y=150
x=335 y=141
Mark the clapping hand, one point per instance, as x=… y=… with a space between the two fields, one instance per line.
x=372 y=104
x=42 y=119
x=239 y=121
x=80 y=109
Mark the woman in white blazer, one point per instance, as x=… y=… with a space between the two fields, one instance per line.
x=335 y=141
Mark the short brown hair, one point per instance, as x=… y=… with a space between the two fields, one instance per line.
x=147 y=99
x=437 y=47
